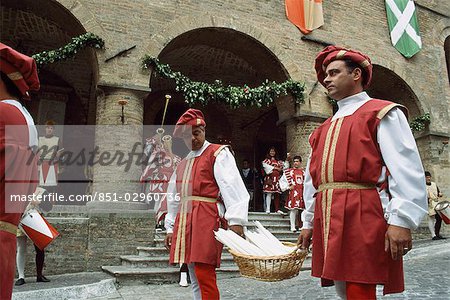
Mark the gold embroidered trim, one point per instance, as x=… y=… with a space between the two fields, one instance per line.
x=365 y=63
x=185 y=210
x=220 y=149
x=8 y=227
x=326 y=234
x=386 y=109
x=326 y=151
x=15 y=76
x=180 y=247
x=345 y=185
x=201 y=199
x=341 y=54
x=330 y=163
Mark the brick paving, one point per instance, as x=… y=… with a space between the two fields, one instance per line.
x=426 y=273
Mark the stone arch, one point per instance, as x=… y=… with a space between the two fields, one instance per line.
x=396 y=71
x=83 y=16
x=387 y=85
x=35 y=26
x=236 y=58
x=447 y=55
x=188 y=23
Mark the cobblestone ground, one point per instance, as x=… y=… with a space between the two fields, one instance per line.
x=427 y=276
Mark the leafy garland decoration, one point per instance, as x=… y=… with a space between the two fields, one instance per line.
x=417 y=124
x=68 y=51
x=195 y=92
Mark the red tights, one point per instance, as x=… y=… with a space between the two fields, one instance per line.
x=360 y=291
x=206 y=278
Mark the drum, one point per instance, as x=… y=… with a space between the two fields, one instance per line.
x=443 y=209
x=36 y=227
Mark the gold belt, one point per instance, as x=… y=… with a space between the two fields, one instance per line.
x=8 y=227
x=345 y=185
x=198 y=198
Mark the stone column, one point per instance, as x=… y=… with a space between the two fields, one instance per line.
x=118 y=146
x=298 y=129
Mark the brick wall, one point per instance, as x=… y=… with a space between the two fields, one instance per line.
x=89 y=241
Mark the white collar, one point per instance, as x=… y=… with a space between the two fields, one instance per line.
x=349 y=105
x=32 y=131
x=196 y=153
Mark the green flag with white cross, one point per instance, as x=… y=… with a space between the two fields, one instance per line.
x=403 y=26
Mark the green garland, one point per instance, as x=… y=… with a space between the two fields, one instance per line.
x=80 y=42
x=419 y=123
x=202 y=93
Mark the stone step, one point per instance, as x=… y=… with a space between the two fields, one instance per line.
x=152 y=251
x=158 y=251
x=133 y=276
x=265 y=216
x=291 y=237
x=84 y=285
x=139 y=261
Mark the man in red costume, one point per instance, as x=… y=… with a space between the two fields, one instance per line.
x=18 y=161
x=204 y=193
x=361 y=228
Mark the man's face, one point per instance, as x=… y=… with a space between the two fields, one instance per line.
x=339 y=82
x=297 y=163
x=428 y=179
x=197 y=139
x=245 y=164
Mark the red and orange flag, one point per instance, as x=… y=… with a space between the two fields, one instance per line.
x=307 y=15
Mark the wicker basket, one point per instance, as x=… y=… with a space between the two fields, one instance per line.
x=270 y=268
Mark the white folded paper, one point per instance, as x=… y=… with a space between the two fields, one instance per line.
x=258 y=242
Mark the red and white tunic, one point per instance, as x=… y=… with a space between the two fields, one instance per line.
x=156 y=175
x=271 y=184
x=18 y=166
x=48 y=168
x=204 y=183
x=350 y=154
x=293 y=177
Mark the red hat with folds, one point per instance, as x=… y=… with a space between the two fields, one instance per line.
x=332 y=53
x=21 y=69
x=192 y=117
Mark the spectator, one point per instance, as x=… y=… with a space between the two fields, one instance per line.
x=434 y=219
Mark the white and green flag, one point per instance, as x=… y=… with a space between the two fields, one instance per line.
x=403 y=26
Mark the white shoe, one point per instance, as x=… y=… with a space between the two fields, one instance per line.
x=183 y=279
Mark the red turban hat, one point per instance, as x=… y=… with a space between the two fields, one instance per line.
x=192 y=117
x=331 y=53
x=21 y=69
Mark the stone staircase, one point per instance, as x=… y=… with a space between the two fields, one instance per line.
x=151 y=264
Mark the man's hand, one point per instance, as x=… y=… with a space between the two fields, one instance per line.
x=168 y=241
x=304 y=239
x=398 y=241
x=238 y=229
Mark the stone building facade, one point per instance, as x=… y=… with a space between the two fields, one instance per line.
x=238 y=42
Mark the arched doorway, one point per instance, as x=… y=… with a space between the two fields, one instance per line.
x=211 y=53
x=389 y=86
x=34 y=26
x=67 y=94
